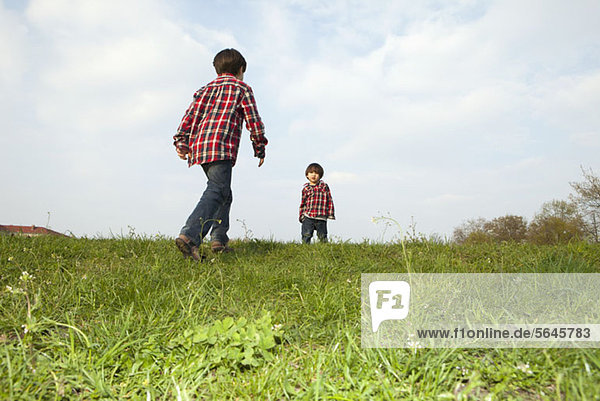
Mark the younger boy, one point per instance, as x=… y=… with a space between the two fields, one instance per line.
x=316 y=205
x=209 y=135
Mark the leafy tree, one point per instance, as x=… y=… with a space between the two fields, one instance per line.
x=507 y=228
x=588 y=199
x=558 y=221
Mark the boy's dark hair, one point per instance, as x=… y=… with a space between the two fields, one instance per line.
x=314 y=168
x=229 y=61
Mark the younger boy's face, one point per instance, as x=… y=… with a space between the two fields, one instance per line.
x=313 y=177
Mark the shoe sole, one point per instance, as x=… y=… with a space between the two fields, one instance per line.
x=184 y=247
x=221 y=249
x=187 y=251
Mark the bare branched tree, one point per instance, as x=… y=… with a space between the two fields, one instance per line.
x=588 y=200
x=471 y=231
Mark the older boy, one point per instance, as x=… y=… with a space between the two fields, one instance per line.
x=316 y=205
x=209 y=135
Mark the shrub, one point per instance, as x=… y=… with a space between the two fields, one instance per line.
x=557 y=222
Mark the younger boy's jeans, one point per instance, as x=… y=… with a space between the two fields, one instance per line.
x=213 y=206
x=309 y=225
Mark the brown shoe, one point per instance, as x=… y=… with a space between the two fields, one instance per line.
x=188 y=249
x=218 y=247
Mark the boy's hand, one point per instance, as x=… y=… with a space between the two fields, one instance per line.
x=261 y=161
x=181 y=154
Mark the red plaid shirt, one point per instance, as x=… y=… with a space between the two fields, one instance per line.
x=316 y=202
x=212 y=126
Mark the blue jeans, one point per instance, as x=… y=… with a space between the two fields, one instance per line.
x=214 y=205
x=309 y=225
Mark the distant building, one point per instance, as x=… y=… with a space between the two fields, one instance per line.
x=28 y=231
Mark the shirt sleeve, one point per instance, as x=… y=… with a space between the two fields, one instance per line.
x=182 y=137
x=254 y=124
x=302 y=204
x=330 y=209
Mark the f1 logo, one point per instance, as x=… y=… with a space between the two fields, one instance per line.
x=389 y=300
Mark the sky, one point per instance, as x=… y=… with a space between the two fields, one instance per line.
x=429 y=113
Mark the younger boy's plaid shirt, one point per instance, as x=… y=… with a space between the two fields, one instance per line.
x=212 y=126
x=316 y=201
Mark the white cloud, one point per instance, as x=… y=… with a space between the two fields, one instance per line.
x=343 y=177
x=571 y=102
x=114 y=81
x=447 y=198
x=586 y=139
x=476 y=83
x=100 y=66
x=423 y=105
x=12 y=47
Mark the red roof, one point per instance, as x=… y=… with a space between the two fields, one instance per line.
x=29 y=230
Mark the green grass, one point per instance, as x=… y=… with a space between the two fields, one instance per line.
x=101 y=319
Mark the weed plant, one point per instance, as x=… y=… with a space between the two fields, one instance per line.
x=129 y=318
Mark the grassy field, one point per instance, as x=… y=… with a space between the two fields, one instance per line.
x=128 y=318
